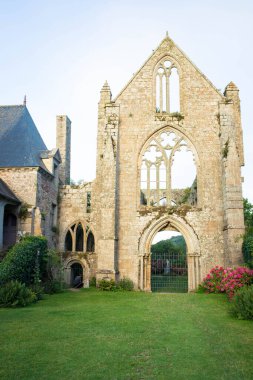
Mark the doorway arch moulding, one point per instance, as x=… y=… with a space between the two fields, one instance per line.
x=177 y=223
x=67 y=270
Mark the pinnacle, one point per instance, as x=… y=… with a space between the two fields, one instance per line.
x=231 y=86
x=106 y=87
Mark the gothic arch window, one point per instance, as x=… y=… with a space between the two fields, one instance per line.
x=68 y=241
x=167 y=87
x=79 y=238
x=168 y=170
x=90 y=242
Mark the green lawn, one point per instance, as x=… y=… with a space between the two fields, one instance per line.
x=99 y=335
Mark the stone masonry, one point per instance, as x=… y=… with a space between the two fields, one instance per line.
x=105 y=228
x=123 y=227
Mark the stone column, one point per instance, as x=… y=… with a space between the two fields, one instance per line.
x=63 y=143
x=107 y=186
x=193 y=271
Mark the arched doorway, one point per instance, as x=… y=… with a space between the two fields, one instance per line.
x=9 y=227
x=169 y=269
x=76 y=275
x=169 y=223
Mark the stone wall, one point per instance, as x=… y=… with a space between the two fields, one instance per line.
x=123 y=228
x=23 y=182
x=38 y=190
x=47 y=208
x=200 y=106
x=76 y=205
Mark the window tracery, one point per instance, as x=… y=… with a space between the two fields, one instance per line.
x=167 y=170
x=167 y=87
x=78 y=239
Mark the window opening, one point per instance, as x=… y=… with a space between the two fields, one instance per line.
x=79 y=238
x=68 y=241
x=167 y=88
x=174 y=91
x=168 y=171
x=90 y=242
x=88 y=204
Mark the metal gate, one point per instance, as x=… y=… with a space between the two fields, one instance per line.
x=169 y=272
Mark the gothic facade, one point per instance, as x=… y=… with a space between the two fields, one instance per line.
x=168 y=110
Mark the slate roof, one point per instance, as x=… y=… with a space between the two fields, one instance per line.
x=20 y=141
x=6 y=192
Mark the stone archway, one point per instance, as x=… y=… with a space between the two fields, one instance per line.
x=193 y=250
x=69 y=271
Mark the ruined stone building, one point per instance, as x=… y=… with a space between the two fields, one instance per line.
x=106 y=227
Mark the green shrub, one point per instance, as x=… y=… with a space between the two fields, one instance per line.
x=242 y=303
x=247 y=248
x=14 y=294
x=52 y=286
x=38 y=290
x=21 y=260
x=126 y=284
x=108 y=285
x=93 y=282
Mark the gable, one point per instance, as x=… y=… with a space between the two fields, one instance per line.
x=192 y=80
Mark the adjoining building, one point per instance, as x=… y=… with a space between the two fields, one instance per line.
x=105 y=228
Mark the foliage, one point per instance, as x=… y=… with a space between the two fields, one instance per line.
x=51 y=286
x=242 y=303
x=211 y=283
x=21 y=261
x=93 y=282
x=176 y=244
x=125 y=284
x=173 y=249
x=247 y=249
x=55 y=230
x=38 y=290
x=221 y=280
x=13 y=294
x=247 y=246
x=225 y=149
x=54 y=267
x=23 y=211
x=185 y=196
x=108 y=285
x=248 y=213
x=177 y=115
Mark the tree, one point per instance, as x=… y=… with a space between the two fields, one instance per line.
x=247 y=246
x=248 y=213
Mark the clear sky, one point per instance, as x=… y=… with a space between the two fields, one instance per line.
x=59 y=53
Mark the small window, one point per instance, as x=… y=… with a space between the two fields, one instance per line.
x=68 y=242
x=90 y=242
x=88 y=202
x=79 y=238
x=167 y=88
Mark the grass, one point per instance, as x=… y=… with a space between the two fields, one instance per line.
x=98 y=335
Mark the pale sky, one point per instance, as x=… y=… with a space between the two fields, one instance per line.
x=59 y=53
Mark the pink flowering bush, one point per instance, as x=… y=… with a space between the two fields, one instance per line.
x=228 y=280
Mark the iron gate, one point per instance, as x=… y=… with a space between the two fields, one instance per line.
x=169 y=272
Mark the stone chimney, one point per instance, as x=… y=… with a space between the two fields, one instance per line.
x=63 y=143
